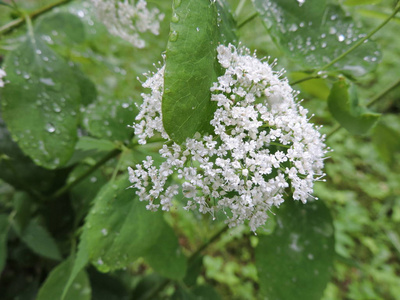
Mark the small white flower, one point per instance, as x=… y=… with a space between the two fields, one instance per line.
x=2 y=74
x=128 y=19
x=262 y=144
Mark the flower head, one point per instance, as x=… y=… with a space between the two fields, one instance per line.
x=128 y=19
x=262 y=144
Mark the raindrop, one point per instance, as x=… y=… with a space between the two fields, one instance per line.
x=293 y=27
x=93 y=179
x=197 y=29
x=50 y=128
x=173 y=36
x=104 y=231
x=100 y=262
x=323 y=45
x=332 y=30
x=125 y=105
x=301 y=24
x=47 y=81
x=38 y=52
x=175 y=18
x=310 y=256
x=341 y=38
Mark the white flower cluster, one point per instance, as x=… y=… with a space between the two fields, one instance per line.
x=2 y=74
x=262 y=144
x=127 y=19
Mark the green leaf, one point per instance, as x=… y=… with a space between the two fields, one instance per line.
x=39 y=240
x=205 y=292
x=79 y=264
x=40 y=103
x=197 y=28
x=55 y=282
x=19 y=170
x=344 y=107
x=61 y=27
x=4 y=227
x=87 y=88
x=109 y=119
x=386 y=141
x=119 y=230
x=315 y=33
x=295 y=262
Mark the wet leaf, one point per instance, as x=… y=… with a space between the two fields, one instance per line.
x=119 y=230
x=295 y=262
x=40 y=103
x=62 y=27
x=55 y=283
x=314 y=33
x=109 y=119
x=197 y=28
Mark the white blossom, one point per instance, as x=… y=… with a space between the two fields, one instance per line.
x=262 y=145
x=2 y=74
x=128 y=19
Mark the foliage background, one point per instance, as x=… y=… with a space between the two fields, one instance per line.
x=363 y=173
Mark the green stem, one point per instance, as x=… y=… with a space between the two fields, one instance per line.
x=101 y=162
x=250 y=18
x=384 y=93
x=360 y=42
x=305 y=79
x=20 y=21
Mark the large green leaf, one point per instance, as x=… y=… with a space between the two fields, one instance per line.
x=344 y=107
x=19 y=170
x=295 y=261
x=40 y=103
x=315 y=33
x=197 y=28
x=56 y=281
x=119 y=230
x=4 y=226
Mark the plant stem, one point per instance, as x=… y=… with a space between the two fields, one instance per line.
x=382 y=94
x=20 y=21
x=251 y=17
x=305 y=79
x=68 y=186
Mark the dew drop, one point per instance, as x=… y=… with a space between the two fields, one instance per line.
x=104 y=231
x=50 y=128
x=175 y=18
x=197 y=29
x=341 y=38
x=173 y=36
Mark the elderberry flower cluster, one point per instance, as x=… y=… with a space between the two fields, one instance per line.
x=2 y=74
x=262 y=145
x=128 y=19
